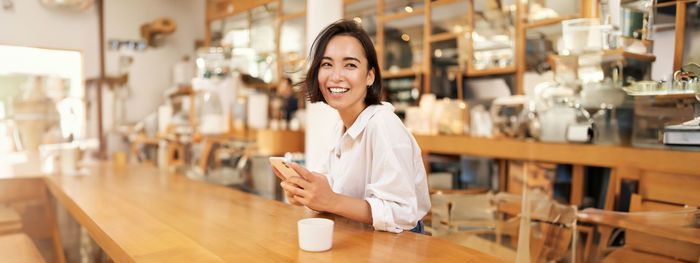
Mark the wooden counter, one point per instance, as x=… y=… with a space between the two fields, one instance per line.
x=625 y=162
x=141 y=214
x=685 y=162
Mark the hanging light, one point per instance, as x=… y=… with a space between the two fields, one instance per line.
x=405 y=37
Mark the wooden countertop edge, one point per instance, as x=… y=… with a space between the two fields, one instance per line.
x=115 y=252
x=585 y=154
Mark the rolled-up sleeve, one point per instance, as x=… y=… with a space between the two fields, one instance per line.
x=391 y=192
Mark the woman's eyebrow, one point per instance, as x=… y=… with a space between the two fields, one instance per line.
x=351 y=58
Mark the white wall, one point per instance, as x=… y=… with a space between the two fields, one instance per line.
x=151 y=71
x=31 y=24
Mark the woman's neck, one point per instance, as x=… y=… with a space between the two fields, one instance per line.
x=350 y=115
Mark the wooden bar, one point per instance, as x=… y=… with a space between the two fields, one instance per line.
x=549 y=21
x=443 y=36
x=427 y=48
x=470 y=40
x=137 y=213
x=10 y=222
x=680 y=37
x=491 y=71
x=406 y=72
x=292 y=16
x=576 y=185
x=520 y=47
x=380 y=34
x=19 y=248
x=397 y=16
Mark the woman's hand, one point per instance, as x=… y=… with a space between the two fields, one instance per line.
x=309 y=189
x=290 y=197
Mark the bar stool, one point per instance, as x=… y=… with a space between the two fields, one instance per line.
x=18 y=248
x=10 y=222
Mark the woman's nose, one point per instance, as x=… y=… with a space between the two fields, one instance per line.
x=336 y=74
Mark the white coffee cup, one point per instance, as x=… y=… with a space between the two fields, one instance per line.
x=315 y=234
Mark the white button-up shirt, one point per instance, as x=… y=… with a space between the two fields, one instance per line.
x=378 y=160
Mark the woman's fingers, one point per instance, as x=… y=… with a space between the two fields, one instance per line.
x=293 y=199
x=292 y=189
x=301 y=171
x=300 y=182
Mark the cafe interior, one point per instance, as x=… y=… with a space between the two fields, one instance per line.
x=550 y=130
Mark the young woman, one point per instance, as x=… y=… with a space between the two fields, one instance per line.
x=373 y=171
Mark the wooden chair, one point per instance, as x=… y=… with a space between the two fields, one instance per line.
x=662 y=225
x=18 y=248
x=30 y=199
x=496 y=225
x=10 y=222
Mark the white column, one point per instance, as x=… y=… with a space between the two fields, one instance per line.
x=320 y=118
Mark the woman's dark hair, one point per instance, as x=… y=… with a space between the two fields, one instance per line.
x=347 y=28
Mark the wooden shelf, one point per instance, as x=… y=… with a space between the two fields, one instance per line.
x=490 y=71
x=407 y=72
x=444 y=2
x=444 y=36
x=549 y=21
x=647 y=57
x=292 y=16
x=398 y=16
x=671 y=161
x=673 y=3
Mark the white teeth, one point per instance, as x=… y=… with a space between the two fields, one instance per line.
x=338 y=90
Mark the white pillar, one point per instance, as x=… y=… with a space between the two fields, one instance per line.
x=320 y=118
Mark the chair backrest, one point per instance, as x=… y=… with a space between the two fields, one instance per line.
x=496 y=224
x=666 y=192
x=546 y=229
x=663 y=236
x=452 y=210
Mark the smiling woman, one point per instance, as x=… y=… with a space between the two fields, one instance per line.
x=374 y=172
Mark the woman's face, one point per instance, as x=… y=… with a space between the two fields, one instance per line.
x=343 y=76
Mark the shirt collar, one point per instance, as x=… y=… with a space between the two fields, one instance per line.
x=360 y=123
x=362 y=120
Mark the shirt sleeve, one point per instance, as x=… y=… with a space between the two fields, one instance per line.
x=391 y=192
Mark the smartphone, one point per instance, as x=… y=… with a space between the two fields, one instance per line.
x=285 y=169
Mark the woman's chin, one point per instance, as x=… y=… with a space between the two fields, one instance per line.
x=337 y=105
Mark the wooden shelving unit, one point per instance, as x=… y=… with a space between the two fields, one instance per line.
x=407 y=72
x=217 y=9
x=490 y=71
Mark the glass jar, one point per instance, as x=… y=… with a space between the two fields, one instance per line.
x=564 y=122
x=210 y=114
x=605 y=128
x=213 y=62
x=528 y=122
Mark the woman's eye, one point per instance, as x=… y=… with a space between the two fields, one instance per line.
x=325 y=64
x=351 y=65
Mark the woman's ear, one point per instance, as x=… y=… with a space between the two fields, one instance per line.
x=370 y=77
